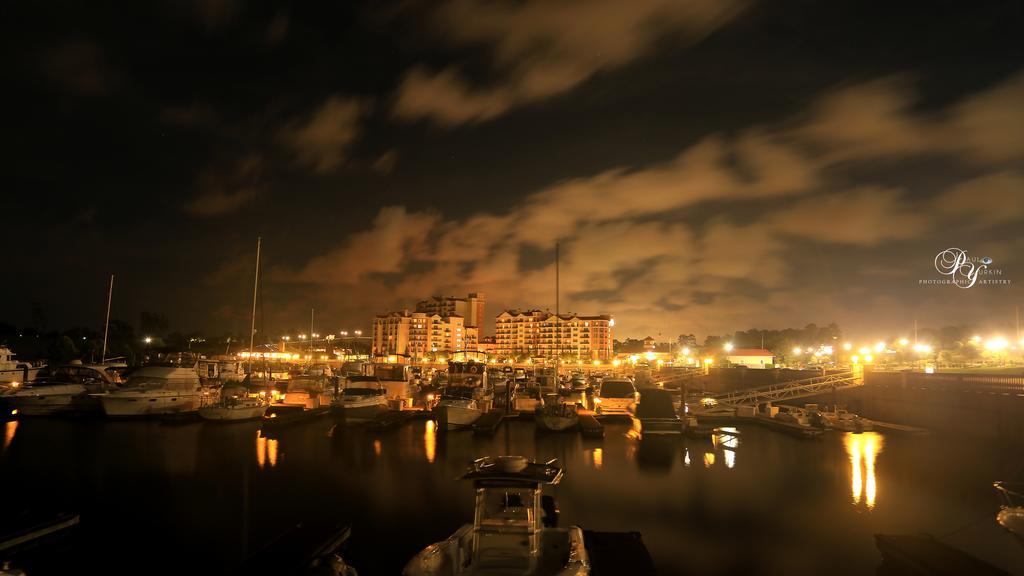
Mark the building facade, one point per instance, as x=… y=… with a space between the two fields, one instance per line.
x=420 y=335
x=538 y=333
x=471 y=308
x=751 y=358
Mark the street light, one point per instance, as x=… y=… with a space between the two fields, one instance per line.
x=148 y=340
x=728 y=346
x=359 y=332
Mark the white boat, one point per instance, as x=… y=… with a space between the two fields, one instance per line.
x=234 y=405
x=514 y=529
x=152 y=390
x=616 y=396
x=362 y=399
x=458 y=408
x=13 y=370
x=66 y=388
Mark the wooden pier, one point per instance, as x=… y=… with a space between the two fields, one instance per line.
x=281 y=418
x=390 y=419
x=488 y=423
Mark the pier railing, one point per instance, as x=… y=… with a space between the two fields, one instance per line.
x=1005 y=384
x=791 y=390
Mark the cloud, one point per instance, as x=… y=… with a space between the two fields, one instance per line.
x=323 y=139
x=990 y=200
x=727 y=234
x=539 y=50
x=221 y=193
x=878 y=119
x=863 y=217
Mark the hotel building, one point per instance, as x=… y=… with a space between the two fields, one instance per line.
x=538 y=333
x=419 y=334
x=471 y=308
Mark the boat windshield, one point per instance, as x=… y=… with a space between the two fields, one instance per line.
x=458 y=392
x=617 y=389
x=507 y=507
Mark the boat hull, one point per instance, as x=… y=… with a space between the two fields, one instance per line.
x=458 y=416
x=232 y=413
x=361 y=411
x=131 y=404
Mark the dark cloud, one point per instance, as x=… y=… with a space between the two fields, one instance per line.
x=322 y=140
x=541 y=50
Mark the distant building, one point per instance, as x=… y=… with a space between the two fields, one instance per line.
x=471 y=307
x=535 y=333
x=420 y=335
x=649 y=344
x=487 y=344
x=751 y=358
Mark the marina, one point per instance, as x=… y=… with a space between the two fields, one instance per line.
x=685 y=496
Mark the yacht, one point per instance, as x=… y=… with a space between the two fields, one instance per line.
x=14 y=370
x=234 y=405
x=514 y=529
x=362 y=399
x=152 y=390
x=308 y=391
x=526 y=397
x=68 y=388
x=458 y=407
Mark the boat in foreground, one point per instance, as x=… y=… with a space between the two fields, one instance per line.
x=68 y=388
x=1011 y=513
x=514 y=529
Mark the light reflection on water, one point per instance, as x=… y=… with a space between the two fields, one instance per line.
x=863 y=450
x=10 y=429
x=598 y=456
x=266 y=451
x=430 y=440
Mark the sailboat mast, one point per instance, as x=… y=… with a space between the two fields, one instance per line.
x=311 y=311
x=558 y=319
x=255 y=289
x=106 y=323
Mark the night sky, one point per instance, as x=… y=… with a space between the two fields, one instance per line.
x=709 y=166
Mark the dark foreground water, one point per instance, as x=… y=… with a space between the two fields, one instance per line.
x=201 y=498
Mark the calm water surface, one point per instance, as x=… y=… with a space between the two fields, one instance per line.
x=202 y=498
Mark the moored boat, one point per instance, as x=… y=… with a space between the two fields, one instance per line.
x=362 y=399
x=556 y=416
x=153 y=390
x=458 y=408
x=234 y=405
x=68 y=388
x=656 y=414
x=514 y=530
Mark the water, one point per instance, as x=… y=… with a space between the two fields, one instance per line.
x=202 y=498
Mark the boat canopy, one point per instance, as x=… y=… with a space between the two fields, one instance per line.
x=172 y=377
x=507 y=470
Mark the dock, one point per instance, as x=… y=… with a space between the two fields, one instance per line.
x=590 y=427
x=899 y=428
x=488 y=423
x=290 y=416
x=390 y=419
